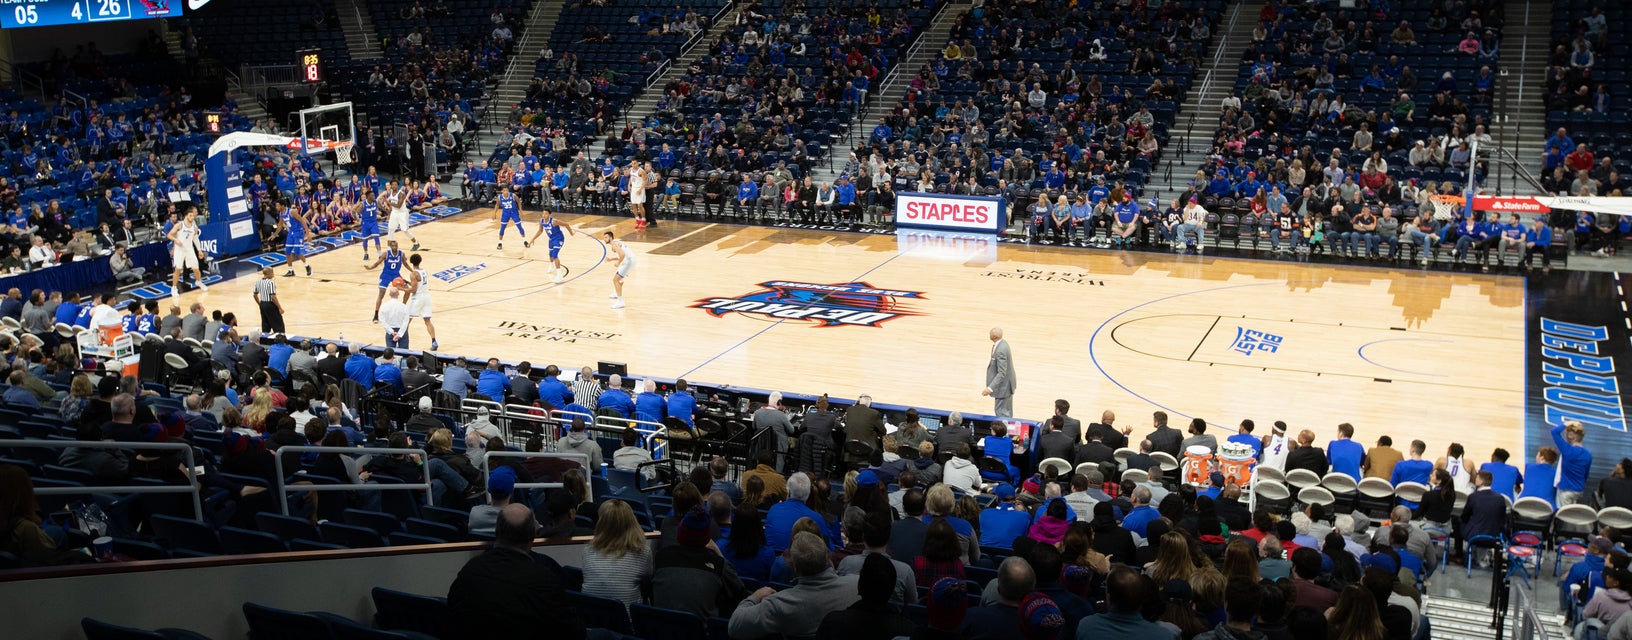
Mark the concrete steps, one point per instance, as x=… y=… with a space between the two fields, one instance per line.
x=1520 y=112
x=929 y=44
x=512 y=86
x=1459 y=619
x=646 y=102
x=1197 y=119
x=358 y=26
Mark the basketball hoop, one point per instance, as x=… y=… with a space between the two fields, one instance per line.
x=345 y=154
x=1445 y=205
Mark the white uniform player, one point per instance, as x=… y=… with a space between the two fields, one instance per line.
x=397 y=196
x=419 y=299
x=626 y=263
x=637 y=193
x=1276 y=449
x=185 y=252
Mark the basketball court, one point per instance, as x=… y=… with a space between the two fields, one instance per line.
x=905 y=318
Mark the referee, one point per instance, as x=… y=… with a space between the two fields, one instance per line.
x=266 y=295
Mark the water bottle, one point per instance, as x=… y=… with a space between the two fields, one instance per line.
x=342 y=336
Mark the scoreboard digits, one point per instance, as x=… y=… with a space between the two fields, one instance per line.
x=310 y=64
x=43 y=13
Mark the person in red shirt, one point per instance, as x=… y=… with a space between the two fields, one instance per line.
x=1579 y=160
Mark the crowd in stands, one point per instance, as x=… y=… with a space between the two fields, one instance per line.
x=1587 y=86
x=919 y=532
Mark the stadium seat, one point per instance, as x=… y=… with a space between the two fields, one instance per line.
x=409 y=612
x=98 y=630
x=184 y=534
x=382 y=523
x=267 y=623
x=244 y=541
x=287 y=528
x=653 y=623
x=601 y=613
x=349 y=536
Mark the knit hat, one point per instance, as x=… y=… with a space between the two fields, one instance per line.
x=1077 y=579
x=867 y=478
x=1032 y=485
x=693 y=530
x=235 y=443
x=948 y=602
x=1004 y=491
x=1040 y=618
x=501 y=482
x=173 y=424
x=877 y=580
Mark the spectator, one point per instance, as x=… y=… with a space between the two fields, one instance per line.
x=1272 y=565
x=617 y=560
x=746 y=549
x=960 y=471
x=1607 y=604
x=1004 y=521
x=1126 y=595
x=484 y=518
x=631 y=455
x=1142 y=514
x=780 y=519
x=775 y=486
x=510 y=591
x=799 y=611
x=941 y=555
x=940 y=504
x=722 y=482
x=578 y=440
x=1355 y=617
x=1015 y=580
x=907 y=534
x=692 y=576
x=873 y=616
x=876 y=536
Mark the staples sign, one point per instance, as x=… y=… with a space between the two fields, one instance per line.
x=947 y=212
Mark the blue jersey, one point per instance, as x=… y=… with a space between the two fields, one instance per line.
x=508 y=208
x=292 y=222
x=557 y=236
x=391 y=268
x=129 y=322
x=148 y=323
x=371 y=213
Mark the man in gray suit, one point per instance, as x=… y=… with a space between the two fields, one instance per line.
x=1000 y=379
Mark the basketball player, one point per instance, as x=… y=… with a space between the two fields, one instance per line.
x=419 y=299
x=392 y=259
x=1276 y=446
x=637 y=193
x=294 y=242
x=558 y=231
x=369 y=223
x=626 y=263
x=509 y=211
x=185 y=252
x=398 y=199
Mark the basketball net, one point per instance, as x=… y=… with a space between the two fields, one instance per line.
x=1445 y=205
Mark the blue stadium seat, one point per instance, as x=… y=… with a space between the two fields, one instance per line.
x=267 y=623
x=409 y=612
x=184 y=534
x=244 y=541
x=350 y=536
x=601 y=613
x=98 y=630
x=653 y=623
x=287 y=528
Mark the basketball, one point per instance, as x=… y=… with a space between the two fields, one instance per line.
x=399 y=283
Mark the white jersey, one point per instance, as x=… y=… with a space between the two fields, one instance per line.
x=627 y=264
x=1459 y=475
x=1275 y=452
x=419 y=302
x=184 y=255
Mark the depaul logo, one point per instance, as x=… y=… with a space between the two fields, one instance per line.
x=823 y=305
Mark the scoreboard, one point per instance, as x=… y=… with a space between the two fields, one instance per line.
x=42 y=13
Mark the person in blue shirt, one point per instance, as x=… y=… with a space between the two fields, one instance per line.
x=882 y=133
x=780 y=519
x=360 y=368
x=552 y=390
x=1504 y=478
x=1541 y=474
x=1142 y=514
x=1414 y=468
x=1344 y=454
x=1001 y=523
x=277 y=357
x=1243 y=435
x=615 y=398
x=681 y=404
x=68 y=311
x=1538 y=240
x=493 y=383
x=387 y=371
x=1575 y=461
x=844 y=198
x=747 y=194
x=1081 y=210
x=1584 y=572
x=1562 y=141
x=650 y=406
x=457 y=379
x=1220 y=184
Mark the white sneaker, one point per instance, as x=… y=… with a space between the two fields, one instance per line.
x=613 y=296
x=617 y=304
x=203 y=287
x=558 y=279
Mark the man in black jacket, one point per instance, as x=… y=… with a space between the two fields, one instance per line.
x=713 y=196
x=1108 y=432
x=333 y=363
x=511 y=592
x=1486 y=511
x=692 y=575
x=1164 y=438
x=1307 y=455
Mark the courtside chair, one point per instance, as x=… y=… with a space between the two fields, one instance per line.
x=1298 y=479
x=1571 y=524
x=1270 y=473
x=1410 y=491
x=1377 y=496
x=1469 y=547
x=1345 y=491
x=1615 y=517
x=1059 y=466
x=1137 y=476
x=1316 y=495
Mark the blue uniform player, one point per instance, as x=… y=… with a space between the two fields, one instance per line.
x=509 y=211
x=294 y=242
x=369 y=225
x=390 y=262
x=558 y=231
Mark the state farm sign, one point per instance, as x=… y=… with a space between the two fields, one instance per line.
x=948 y=212
x=1511 y=204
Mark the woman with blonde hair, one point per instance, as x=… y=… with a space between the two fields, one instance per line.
x=1355 y=617
x=1241 y=560
x=79 y=395
x=259 y=408
x=941 y=504
x=1173 y=560
x=617 y=558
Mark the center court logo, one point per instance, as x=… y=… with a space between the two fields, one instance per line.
x=455 y=273
x=823 y=305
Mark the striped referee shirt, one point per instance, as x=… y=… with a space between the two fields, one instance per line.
x=587 y=392
x=265 y=288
